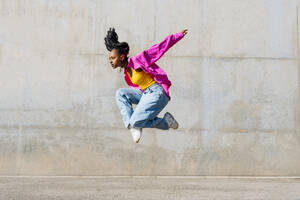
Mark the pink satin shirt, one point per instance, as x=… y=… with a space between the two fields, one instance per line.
x=146 y=61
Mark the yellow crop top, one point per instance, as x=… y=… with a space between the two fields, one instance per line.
x=141 y=79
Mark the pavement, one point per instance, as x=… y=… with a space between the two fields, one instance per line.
x=148 y=187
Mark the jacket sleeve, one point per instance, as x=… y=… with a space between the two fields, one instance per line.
x=155 y=52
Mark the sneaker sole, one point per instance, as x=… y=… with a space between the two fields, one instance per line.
x=176 y=127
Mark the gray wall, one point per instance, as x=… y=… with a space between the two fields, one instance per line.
x=235 y=89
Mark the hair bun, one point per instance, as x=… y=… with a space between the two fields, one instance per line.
x=111 y=42
x=123 y=47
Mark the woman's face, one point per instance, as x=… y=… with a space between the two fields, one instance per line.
x=115 y=59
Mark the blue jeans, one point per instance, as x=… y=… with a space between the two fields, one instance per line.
x=149 y=104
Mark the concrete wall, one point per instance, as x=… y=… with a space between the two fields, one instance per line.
x=235 y=88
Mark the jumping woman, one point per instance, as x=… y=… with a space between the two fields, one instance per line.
x=149 y=84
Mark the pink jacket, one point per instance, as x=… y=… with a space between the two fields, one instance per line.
x=147 y=58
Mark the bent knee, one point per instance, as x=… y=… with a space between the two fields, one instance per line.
x=119 y=93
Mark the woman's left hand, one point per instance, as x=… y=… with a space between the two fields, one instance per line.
x=184 y=31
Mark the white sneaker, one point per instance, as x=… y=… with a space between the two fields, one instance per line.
x=136 y=134
x=171 y=120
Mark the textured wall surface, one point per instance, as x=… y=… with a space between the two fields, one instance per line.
x=235 y=88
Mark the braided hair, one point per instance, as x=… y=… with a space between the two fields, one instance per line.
x=111 y=42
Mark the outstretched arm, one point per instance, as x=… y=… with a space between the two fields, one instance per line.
x=155 y=52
